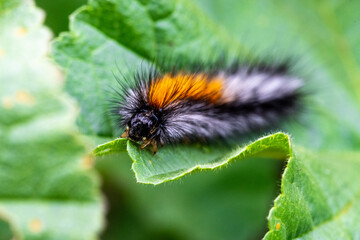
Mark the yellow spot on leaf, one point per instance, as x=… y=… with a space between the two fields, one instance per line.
x=35 y=226
x=20 y=32
x=150 y=162
x=278 y=226
x=7 y=102
x=87 y=162
x=2 y=53
x=25 y=98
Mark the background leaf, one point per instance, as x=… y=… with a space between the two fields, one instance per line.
x=48 y=190
x=57 y=20
x=323 y=37
x=320 y=198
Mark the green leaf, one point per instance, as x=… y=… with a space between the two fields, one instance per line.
x=319 y=191
x=320 y=197
x=5 y=230
x=112 y=147
x=47 y=187
x=320 y=194
x=175 y=161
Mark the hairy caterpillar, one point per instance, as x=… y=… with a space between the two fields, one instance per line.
x=168 y=107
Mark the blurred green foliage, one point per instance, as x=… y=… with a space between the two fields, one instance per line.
x=47 y=186
x=58 y=12
x=319 y=196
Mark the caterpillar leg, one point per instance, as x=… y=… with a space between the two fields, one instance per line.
x=154 y=146
x=147 y=143
x=126 y=133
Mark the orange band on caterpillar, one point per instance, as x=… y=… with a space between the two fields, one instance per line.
x=170 y=88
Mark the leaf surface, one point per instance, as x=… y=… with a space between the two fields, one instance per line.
x=175 y=161
x=48 y=189
x=320 y=197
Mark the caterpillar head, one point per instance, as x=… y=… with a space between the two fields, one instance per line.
x=141 y=126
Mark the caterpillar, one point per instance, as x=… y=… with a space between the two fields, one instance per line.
x=161 y=107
